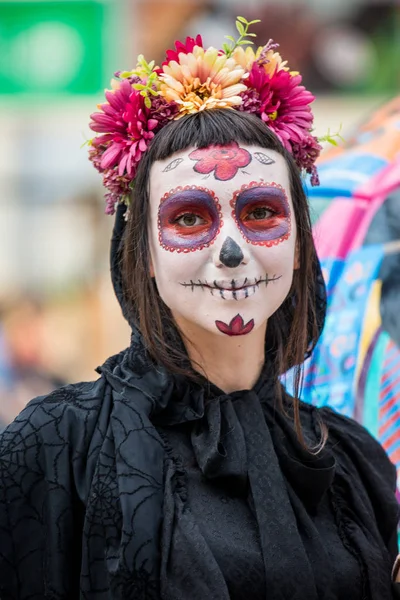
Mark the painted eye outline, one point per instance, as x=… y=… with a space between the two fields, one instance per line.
x=246 y=229
x=185 y=234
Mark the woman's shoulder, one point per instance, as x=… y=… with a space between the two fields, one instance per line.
x=349 y=437
x=74 y=403
x=53 y=437
x=365 y=476
x=360 y=458
x=63 y=422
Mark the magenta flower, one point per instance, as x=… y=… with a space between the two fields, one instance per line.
x=305 y=155
x=127 y=128
x=162 y=111
x=285 y=108
x=185 y=47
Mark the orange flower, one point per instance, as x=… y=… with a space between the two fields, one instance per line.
x=202 y=79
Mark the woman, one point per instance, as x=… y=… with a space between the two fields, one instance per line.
x=185 y=471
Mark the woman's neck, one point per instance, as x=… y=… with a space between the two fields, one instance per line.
x=231 y=363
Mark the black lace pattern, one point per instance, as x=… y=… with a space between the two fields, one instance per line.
x=93 y=500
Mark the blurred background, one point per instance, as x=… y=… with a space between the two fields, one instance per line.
x=58 y=315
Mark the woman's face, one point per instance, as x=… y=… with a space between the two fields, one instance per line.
x=222 y=236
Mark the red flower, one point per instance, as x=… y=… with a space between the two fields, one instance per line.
x=224 y=160
x=237 y=326
x=184 y=47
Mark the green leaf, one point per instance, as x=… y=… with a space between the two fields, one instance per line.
x=240 y=28
x=331 y=141
x=244 y=42
x=139 y=86
x=252 y=22
x=230 y=38
x=147 y=102
x=251 y=35
x=226 y=48
x=242 y=20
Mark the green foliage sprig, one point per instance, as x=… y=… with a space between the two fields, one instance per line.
x=242 y=25
x=330 y=137
x=149 y=80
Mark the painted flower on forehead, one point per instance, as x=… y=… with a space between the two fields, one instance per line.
x=225 y=161
x=202 y=80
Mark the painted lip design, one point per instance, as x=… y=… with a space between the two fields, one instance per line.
x=232 y=289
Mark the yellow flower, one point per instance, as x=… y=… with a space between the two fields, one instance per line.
x=275 y=62
x=270 y=60
x=202 y=79
x=245 y=58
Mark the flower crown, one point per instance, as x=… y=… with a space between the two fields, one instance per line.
x=193 y=79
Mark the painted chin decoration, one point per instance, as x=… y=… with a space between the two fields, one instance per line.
x=222 y=254
x=236 y=327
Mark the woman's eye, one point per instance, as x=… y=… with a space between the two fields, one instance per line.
x=190 y=220
x=259 y=214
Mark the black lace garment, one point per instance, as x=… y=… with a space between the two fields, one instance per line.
x=142 y=486
x=96 y=497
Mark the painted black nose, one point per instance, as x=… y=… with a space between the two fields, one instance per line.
x=231 y=254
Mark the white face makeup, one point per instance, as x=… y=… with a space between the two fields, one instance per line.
x=222 y=236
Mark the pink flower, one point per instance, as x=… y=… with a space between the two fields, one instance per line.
x=305 y=155
x=162 y=111
x=118 y=186
x=285 y=108
x=185 y=47
x=202 y=80
x=251 y=102
x=127 y=128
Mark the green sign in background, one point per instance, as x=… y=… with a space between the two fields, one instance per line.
x=51 y=47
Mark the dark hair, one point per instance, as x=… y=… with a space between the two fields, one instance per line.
x=292 y=330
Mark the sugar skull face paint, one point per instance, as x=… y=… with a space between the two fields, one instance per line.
x=189 y=219
x=262 y=213
x=223 y=254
